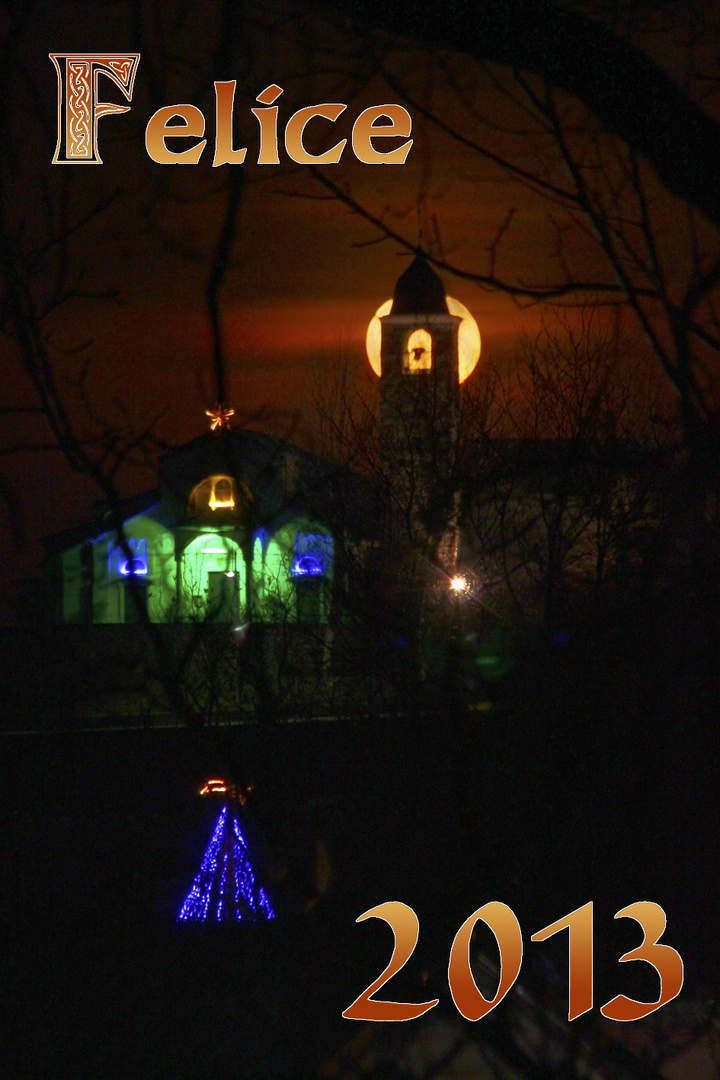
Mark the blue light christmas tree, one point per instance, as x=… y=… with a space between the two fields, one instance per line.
x=226 y=889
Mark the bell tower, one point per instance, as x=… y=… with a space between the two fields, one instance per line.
x=419 y=410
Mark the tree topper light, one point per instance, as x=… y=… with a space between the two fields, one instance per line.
x=228 y=790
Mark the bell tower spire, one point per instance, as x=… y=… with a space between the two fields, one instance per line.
x=419 y=408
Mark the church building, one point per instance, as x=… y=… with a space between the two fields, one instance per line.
x=225 y=537
x=240 y=526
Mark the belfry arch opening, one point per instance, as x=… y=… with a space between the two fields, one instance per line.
x=417 y=355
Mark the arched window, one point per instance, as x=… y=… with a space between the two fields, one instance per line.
x=310 y=571
x=292 y=574
x=143 y=566
x=221 y=496
x=137 y=563
x=218 y=499
x=418 y=352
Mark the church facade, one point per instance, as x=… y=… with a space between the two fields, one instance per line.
x=225 y=538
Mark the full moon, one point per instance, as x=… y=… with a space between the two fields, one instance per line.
x=468 y=337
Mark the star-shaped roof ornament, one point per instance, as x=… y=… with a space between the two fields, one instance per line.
x=219 y=417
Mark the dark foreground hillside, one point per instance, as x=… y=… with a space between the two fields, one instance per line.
x=102 y=833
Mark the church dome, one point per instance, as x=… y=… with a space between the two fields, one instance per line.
x=419 y=290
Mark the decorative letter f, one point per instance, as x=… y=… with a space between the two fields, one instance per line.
x=78 y=107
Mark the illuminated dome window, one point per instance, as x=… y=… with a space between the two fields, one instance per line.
x=221 y=496
x=418 y=352
x=218 y=498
